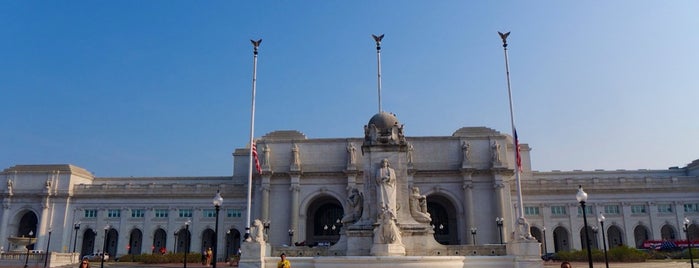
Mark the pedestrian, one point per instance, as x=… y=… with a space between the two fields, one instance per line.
x=566 y=264
x=84 y=263
x=283 y=263
x=209 y=255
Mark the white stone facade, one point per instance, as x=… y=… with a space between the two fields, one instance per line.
x=468 y=179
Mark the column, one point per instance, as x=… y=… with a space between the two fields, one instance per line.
x=500 y=210
x=295 y=188
x=467 y=188
x=265 y=188
x=5 y=218
x=147 y=240
x=42 y=229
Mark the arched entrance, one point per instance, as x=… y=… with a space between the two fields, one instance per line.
x=88 y=245
x=667 y=232
x=536 y=233
x=232 y=242
x=614 y=237
x=184 y=240
x=592 y=233
x=135 y=241
x=443 y=219
x=640 y=235
x=323 y=224
x=112 y=240
x=693 y=232
x=27 y=224
x=159 y=240
x=560 y=239
x=207 y=239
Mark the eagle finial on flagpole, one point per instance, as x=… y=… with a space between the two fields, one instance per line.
x=256 y=44
x=378 y=61
x=504 y=38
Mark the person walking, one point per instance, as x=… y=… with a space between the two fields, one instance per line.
x=283 y=263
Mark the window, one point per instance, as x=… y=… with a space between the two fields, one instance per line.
x=234 y=213
x=209 y=213
x=113 y=213
x=691 y=207
x=638 y=209
x=588 y=211
x=665 y=208
x=161 y=213
x=137 y=213
x=558 y=210
x=185 y=213
x=90 y=213
x=611 y=209
x=531 y=210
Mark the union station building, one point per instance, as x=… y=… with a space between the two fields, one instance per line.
x=301 y=196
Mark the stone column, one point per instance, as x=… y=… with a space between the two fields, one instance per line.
x=467 y=187
x=3 y=226
x=265 y=188
x=499 y=187
x=295 y=188
x=42 y=229
x=147 y=235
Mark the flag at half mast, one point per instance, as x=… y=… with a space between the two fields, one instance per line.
x=256 y=158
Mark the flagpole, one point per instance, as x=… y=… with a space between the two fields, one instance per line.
x=255 y=45
x=520 y=208
x=378 y=60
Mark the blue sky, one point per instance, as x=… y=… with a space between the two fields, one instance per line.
x=162 y=88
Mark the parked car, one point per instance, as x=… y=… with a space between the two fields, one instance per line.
x=96 y=256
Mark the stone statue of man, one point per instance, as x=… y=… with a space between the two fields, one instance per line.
x=386 y=182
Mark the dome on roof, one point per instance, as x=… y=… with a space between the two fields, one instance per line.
x=384 y=120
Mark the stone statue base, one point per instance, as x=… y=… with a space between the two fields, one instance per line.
x=527 y=253
x=387 y=250
x=253 y=254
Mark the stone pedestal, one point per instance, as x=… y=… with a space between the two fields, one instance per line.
x=253 y=254
x=527 y=253
x=387 y=250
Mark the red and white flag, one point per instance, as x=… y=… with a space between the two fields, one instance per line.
x=257 y=160
x=517 y=153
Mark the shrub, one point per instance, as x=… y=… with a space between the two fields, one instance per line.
x=627 y=254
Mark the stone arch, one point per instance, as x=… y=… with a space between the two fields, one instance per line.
x=159 y=240
x=444 y=218
x=112 y=242
x=594 y=242
x=538 y=234
x=668 y=232
x=27 y=224
x=207 y=239
x=692 y=232
x=561 y=239
x=183 y=240
x=135 y=241
x=614 y=237
x=88 y=244
x=323 y=221
x=232 y=242
x=640 y=235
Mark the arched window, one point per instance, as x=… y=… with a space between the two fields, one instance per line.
x=323 y=224
x=443 y=221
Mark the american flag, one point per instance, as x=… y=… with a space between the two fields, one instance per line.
x=257 y=160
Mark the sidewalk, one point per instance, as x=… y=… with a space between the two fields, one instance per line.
x=649 y=264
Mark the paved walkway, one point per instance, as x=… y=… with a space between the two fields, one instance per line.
x=649 y=264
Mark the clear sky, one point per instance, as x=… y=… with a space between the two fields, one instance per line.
x=163 y=88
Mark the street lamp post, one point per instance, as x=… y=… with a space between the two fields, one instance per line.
x=228 y=243
x=581 y=196
x=499 y=221
x=291 y=236
x=604 y=239
x=104 y=246
x=26 y=259
x=76 y=226
x=686 y=232
x=595 y=230
x=218 y=201
x=186 y=241
x=46 y=254
x=473 y=234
